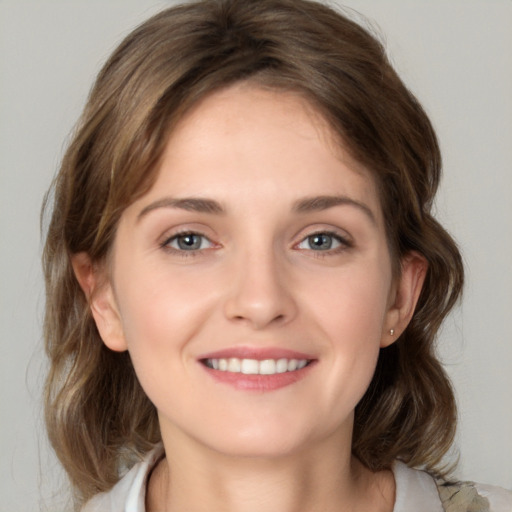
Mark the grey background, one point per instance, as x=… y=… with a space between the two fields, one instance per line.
x=456 y=56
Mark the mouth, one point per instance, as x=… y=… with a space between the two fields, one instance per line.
x=257 y=369
x=255 y=366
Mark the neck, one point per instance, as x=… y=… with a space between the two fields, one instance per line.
x=320 y=479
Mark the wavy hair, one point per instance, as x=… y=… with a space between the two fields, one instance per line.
x=98 y=418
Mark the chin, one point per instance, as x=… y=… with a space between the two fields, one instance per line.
x=260 y=441
x=259 y=448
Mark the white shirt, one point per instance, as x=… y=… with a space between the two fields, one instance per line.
x=416 y=491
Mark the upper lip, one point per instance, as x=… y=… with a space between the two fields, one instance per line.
x=258 y=353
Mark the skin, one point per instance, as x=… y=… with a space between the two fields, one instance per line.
x=257 y=280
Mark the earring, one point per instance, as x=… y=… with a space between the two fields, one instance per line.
x=391 y=332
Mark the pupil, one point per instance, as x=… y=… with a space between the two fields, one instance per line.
x=323 y=242
x=189 y=242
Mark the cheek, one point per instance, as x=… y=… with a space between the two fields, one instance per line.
x=161 y=310
x=349 y=313
x=161 y=316
x=353 y=303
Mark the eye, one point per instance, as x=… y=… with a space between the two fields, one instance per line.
x=323 y=241
x=188 y=242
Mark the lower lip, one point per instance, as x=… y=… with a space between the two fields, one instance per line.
x=245 y=382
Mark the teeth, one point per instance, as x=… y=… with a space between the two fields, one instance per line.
x=255 y=367
x=250 y=367
x=234 y=365
x=267 y=367
x=281 y=365
x=292 y=365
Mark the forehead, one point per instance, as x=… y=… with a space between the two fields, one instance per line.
x=246 y=134
x=230 y=109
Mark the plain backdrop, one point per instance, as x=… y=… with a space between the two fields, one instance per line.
x=455 y=55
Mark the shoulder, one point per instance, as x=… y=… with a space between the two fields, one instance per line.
x=129 y=493
x=418 y=490
x=415 y=490
x=474 y=497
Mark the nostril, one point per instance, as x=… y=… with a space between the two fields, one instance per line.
x=277 y=318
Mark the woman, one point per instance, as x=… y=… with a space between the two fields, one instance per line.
x=244 y=277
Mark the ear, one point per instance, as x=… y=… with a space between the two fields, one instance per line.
x=100 y=295
x=404 y=297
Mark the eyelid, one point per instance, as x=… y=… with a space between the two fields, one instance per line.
x=165 y=244
x=344 y=239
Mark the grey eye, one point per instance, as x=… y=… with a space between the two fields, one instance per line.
x=321 y=242
x=189 y=242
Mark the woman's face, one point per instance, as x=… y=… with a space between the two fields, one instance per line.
x=252 y=284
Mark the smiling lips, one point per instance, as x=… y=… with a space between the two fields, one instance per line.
x=257 y=369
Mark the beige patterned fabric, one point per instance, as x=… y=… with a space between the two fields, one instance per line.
x=462 y=497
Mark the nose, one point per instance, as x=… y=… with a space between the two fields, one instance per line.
x=260 y=293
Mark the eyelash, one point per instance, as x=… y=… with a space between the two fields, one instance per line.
x=166 y=245
x=344 y=244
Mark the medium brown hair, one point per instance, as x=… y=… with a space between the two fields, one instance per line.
x=99 y=420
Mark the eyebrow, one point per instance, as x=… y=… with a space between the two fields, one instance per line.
x=305 y=205
x=191 y=204
x=319 y=203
